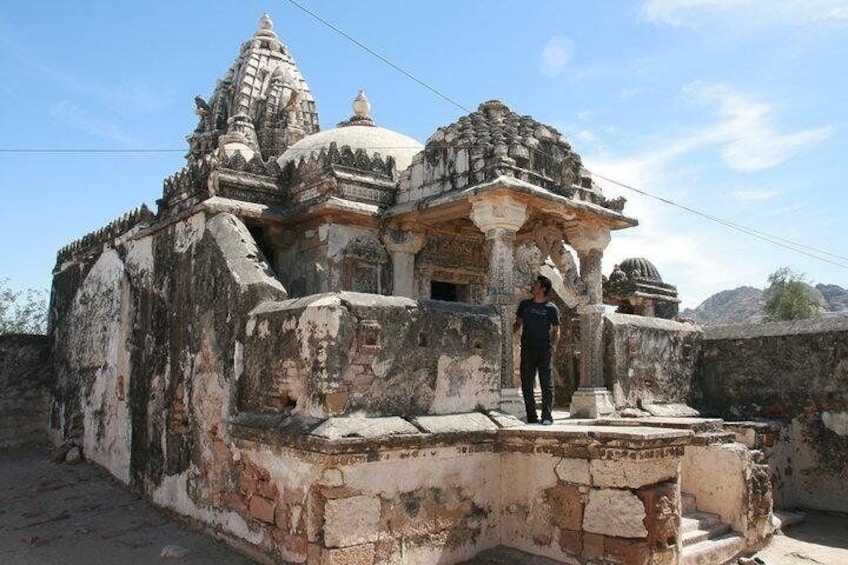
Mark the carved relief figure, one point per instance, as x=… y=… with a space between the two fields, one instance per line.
x=550 y=242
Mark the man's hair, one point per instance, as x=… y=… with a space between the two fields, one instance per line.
x=545 y=282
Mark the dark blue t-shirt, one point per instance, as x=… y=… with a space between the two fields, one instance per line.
x=537 y=319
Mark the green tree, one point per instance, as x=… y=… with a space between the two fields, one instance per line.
x=22 y=311
x=788 y=297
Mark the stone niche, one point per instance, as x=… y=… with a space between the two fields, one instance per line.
x=341 y=353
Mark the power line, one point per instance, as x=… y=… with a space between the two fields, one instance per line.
x=401 y=70
x=769 y=238
x=775 y=240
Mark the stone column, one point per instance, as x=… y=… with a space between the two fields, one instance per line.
x=500 y=217
x=403 y=245
x=592 y=399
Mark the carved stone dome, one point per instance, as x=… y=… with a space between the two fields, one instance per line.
x=641 y=268
x=359 y=132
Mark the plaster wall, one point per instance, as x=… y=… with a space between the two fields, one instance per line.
x=794 y=375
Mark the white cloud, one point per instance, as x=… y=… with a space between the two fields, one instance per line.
x=80 y=119
x=752 y=13
x=556 y=55
x=747 y=135
x=698 y=256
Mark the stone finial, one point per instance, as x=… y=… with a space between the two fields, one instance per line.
x=361 y=112
x=361 y=105
x=266 y=27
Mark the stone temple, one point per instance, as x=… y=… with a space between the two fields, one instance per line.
x=308 y=349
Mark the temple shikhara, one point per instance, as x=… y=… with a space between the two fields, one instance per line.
x=307 y=347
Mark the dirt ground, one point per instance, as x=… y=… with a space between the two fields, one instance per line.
x=78 y=514
x=820 y=539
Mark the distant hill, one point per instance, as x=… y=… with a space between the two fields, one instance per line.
x=745 y=304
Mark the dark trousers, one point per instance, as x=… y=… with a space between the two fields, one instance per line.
x=537 y=359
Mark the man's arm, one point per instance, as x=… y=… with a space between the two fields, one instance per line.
x=516 y=325
x=554 y=337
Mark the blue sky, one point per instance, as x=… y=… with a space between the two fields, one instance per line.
x=735 y=108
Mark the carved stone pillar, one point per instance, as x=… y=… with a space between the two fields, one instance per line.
x=592 y=399
x=500 y=217
x=402 y=245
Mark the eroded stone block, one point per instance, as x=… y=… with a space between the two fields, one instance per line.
x=262 y=509
x=351 y=521
x=617 y=513
x=574 y=471
x=632 y=473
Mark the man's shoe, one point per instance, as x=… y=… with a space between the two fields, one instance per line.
x=547 y=422
x=532 y=420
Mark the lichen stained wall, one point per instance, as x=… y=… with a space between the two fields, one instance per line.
x=650 y=360
x=147 y=334
x=786 y=384
x=323 y=257
x=343 y=353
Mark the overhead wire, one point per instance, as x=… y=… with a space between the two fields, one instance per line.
x=773 y=239
x=764 y=236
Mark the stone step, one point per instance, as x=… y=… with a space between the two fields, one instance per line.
x=688 y=503
x=698 y=521
x=714 y=551
x=696 y=536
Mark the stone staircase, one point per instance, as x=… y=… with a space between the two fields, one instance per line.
x=706 y=539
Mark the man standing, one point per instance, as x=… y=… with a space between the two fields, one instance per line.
x=539 y=319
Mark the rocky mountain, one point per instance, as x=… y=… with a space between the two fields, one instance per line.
x=745 y=304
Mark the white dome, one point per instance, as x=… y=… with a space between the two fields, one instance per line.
x=372 y=139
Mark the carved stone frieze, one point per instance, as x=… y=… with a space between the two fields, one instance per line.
x=454 y=251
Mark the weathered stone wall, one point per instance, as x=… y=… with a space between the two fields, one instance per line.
x=326 y=256
x=796 y=372
x=439 y=489
x=147 y=331
x=726 y=480
x=650 y=360
x=340 y=353
x=603 y=496
x=26 y=383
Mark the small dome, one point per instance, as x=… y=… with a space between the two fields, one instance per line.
x=359 y=132
x=372 y=139
x=641 y=268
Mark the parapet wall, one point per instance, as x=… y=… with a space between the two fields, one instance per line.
x=342 y=353
x=795 y=373
x=26 y=382
x=650 y=360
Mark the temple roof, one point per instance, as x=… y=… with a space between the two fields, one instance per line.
x=359 y=132
x=641 y=268
x=263 y=100
x=496 y=131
